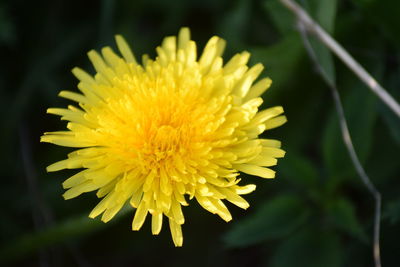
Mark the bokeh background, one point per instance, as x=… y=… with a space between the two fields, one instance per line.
x=315 y=213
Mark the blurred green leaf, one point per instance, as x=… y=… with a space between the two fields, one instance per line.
x=392 y=211
x=360 y=113
x=343 y=214
x=276 y=218
x=7 y=27
x=34 y=66
x=391 y=121
x=382 y=165
x=280 y=68
x=40 y=69
x=281 y=16
x=298 y=170
x=72 y=228
x=233 y=25
x=325 y=59
x=58 y=233
x=309 y=247
x=324 y=12
x=382 y=14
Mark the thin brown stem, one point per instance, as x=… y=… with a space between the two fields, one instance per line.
x=312 y=27
x=349 y=144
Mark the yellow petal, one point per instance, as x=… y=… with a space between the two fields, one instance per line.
x=176 y=232
x=140 y=216
x=275 y=122
x=125 y=49
x=256 y=170
x=73 y=96
x=234 y=198
x=258 y=89
x=110 y=212
x=242 y=190
x=177 y=212
x=183 y=38
x=272 y=152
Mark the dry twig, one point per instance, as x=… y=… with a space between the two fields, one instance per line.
x=306 y=24
x=312 y=27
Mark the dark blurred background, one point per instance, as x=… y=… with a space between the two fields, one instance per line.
x=315 y=213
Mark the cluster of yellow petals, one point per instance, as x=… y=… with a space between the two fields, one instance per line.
x=171 y=129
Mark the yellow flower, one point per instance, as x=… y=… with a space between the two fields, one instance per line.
x=171 y=129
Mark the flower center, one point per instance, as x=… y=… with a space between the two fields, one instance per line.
x=160 y=121
x=164 y=142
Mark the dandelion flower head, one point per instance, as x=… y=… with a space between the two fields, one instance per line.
x=166 y=131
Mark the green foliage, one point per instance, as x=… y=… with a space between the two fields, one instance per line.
x=61 y=232
x=290 y=50
x=343 y=215
x=7 y=28
x=315 y=213
x=299 y=171
x=361 y=118
x=283 y=19
x=235 y=23
x=390 y=119
x=324 y=12
x=275 y=219
x=383 y=14
x=392 y=211
x=309 y=247
x=65 y=231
